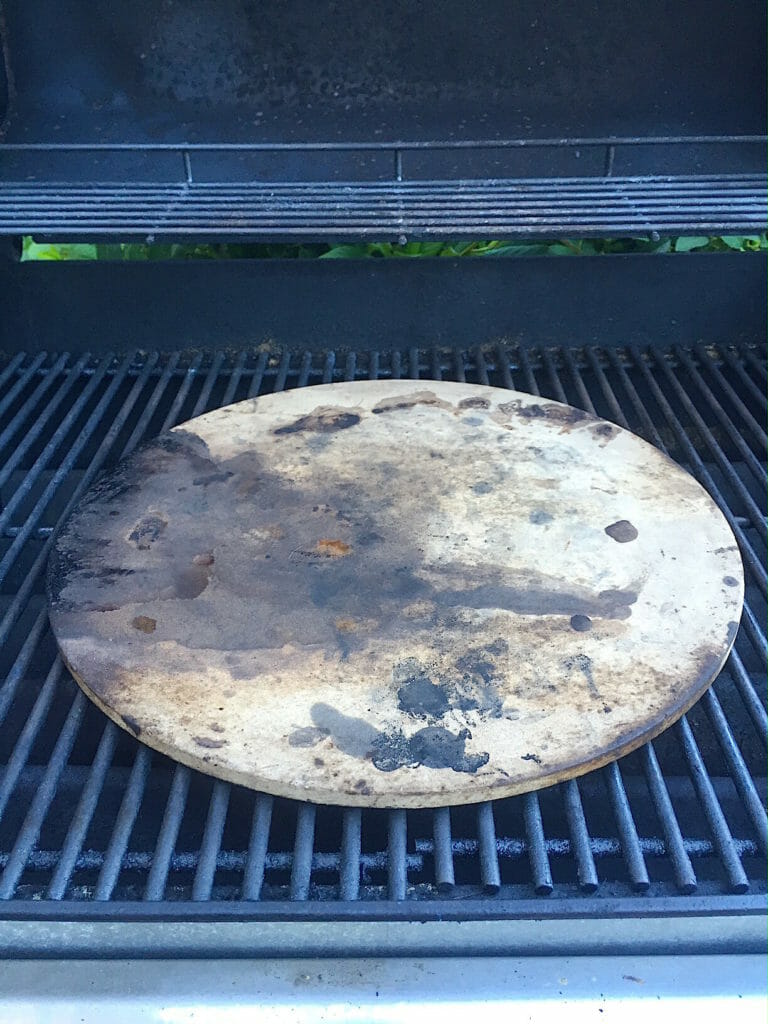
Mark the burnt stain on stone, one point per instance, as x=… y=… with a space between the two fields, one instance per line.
x=540 y=517
x=604 y=431
x=531 y=757
x=212 y=478
x=730 y=581
x=474 y=403
x=564 y=415
x=581 y=623
x=325 y=420
x=483 y=487
x=208 y=742
x=146 y=531
x=144 y=623
x=307 y=736
x=420 y=697
x=431 y=747
x=400 y=404
x=468 y=687
x=583 y=663
x=622 y=531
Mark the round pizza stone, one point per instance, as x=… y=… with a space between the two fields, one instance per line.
x=395 y=593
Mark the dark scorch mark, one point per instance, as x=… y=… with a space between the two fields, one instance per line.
x=622 y=531
x=432 y=747
x=583 y=663
x=146 y=531
x=469 y=686
x=581 y=623
x=322 y=421
x=539 y=517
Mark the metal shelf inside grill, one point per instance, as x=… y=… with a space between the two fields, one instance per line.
x=398 y=210
x=89 y=815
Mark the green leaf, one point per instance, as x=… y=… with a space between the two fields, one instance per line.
x=690 y=242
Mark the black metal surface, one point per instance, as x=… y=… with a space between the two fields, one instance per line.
x=335 y=121
x=246 y=71
x=365 y=305
x=88 y=815
x=399 y=210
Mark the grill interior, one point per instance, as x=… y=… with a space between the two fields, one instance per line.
x=87 y=814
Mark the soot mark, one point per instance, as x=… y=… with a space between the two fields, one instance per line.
x=622 y=531
x=483 y=487
x=146 y=531
x=431 y=747
x=400 y=404
x=540 y=518
x=322 y=421
x=212 y=478
x=531 y=757
x=730 y=581
x=604 y=431
x=308 y=736
x=208 y=742
x=474 y=403
x=564 y=415
x=469 y=686
x=581 y=623
x=583 y=663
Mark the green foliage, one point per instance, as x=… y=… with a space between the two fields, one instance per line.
x=387 y=250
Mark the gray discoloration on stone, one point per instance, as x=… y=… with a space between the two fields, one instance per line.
x=349 y=594
x=622 y=531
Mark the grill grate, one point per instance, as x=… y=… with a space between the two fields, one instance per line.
x=87 y=814
x=450 y=209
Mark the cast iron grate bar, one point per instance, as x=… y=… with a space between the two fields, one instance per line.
x=384 y=210
x=88 y=814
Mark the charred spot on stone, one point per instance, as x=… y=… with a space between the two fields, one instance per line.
x=362 y=787
x=146 y=531
x=531 y=757
x=618 y=596
x=436 y=747
x=622 y=531
x=131 y=724
x=144 y=623
x=421 y=698
x=539 y=517
x=483 y=487
x=318 y=762
x=432 y=747
x=208 y=742
x=474 y=403
x=308 y=736
x=733 y=628
x=212 y=478
x=730 y=581
x=607 y=710
x=322 y=421
x=604 y=430
x=564 y=414
x=581 y=623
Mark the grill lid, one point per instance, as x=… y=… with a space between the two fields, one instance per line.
x=346 y=121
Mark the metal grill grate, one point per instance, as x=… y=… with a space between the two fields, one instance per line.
x=450 y=209
x=87 y=814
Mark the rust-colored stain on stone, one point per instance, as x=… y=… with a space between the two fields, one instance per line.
x=395 y=593
x=332 y=548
